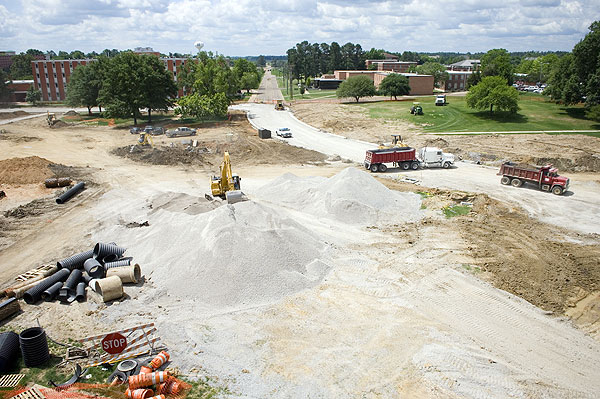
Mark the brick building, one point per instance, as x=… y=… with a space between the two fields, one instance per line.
x=394 y=66
x=419 y=84
x=465 y=65
x=52 y=77
x=457 y=80
x=18 y=90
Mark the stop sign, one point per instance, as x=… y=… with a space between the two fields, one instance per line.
x=114 y=343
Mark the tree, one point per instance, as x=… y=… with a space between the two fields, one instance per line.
x=473 y=79
x=435 y=69
x=497 y=62
x=77 y=55
x=85 y=85
x=132 y=82
x=33 y=96
x=249 y=81
x=356 y=87
x=586 y=55
x=4 y=90
x=394 y=85
x=202 y=106
x=593 y=113
x=33 y=52
x=21 y=66
x=261 y=61
x=493 y=91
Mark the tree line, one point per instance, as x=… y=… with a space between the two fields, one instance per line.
x=127 y=83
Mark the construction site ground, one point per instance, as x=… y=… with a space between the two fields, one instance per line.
x=493 y=303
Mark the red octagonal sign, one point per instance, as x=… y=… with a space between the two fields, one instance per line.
x=114 y=343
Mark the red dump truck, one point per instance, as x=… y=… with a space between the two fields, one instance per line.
x=546 y=178
x=403 y=157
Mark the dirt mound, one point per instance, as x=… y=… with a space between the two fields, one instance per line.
x=72 y=113
x=584 y=163
x=27 y=170
x=34 y=208
x=14 y=114
x=162 y=155
x=59 y=124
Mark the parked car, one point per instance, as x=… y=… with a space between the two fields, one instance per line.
x=148 y=129
x=136 y=130
x=181 y=131
x=284 y=132
x=157 y=131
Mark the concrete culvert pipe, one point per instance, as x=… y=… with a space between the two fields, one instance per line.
x=70 y=193
x=127 y=274
x=75 y=261
x=34 y=294
x=101 y=250
x=93 y=268
x=110 y=288
x=9 y=350
x=52 y=291
x=119 y=263
x=34 y=347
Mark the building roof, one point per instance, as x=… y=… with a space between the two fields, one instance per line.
x=466 y=63
x=459 y=72
x=21 y=81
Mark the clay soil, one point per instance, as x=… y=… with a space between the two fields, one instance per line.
x=570 y=153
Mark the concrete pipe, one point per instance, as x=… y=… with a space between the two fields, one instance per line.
x=110 y=288
x=127 y=274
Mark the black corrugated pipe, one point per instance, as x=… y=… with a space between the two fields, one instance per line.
x=9 y=350
x=86 y=278
x=75 y=261
x=70 y=193
x=52 y=291
x=34 y=346
x=80 y=292
x=101 y=250
x=68 y=289
x=93 y=268
x=119 y=263
x=110 y=258
x=34 y=294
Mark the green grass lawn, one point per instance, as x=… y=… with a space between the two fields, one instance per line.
x=537 y=113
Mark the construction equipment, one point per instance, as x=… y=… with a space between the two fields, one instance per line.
x=145 y=139
x=396 y=142
x=416 y=109
x=51 y=118
x=227 y=186
x=546 y=178
x=279 y=105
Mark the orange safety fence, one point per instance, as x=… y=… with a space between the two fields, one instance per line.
x=172 y=388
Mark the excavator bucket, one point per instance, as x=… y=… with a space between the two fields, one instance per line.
x=235 y=196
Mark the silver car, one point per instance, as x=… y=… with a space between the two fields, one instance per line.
x=181 y=131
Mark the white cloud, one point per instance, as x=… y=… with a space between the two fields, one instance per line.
x=245 y=27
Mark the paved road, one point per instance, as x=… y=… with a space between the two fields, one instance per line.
x=268 y=91
x=579 y=204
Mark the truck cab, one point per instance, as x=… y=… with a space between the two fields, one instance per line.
x=435 y=157
x=440 y=99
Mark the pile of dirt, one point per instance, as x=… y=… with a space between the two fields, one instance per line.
x=14 y=114
x=27 y=170
x=59 y=124
x=529 y=258
x=163 y=155
x=34 y=208
x=7 y=135
x=72 y=113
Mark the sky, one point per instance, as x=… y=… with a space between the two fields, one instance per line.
x=270 y=27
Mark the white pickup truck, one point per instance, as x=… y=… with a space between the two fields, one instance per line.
x=432 y=157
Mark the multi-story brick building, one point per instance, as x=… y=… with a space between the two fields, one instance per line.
x=419 y=84
x=394 y=66
x=457 y=80
x=52 y=77
x=465 y=65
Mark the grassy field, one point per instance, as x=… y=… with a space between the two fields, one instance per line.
x=537 y=113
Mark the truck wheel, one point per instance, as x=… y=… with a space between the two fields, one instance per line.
x=382 y=167
x=557 y=190
x=446 y=165
x=516 y=183
x=505 y=180
x=374 y=168
x=367 y=166
x=414 y=165
x=406 y=165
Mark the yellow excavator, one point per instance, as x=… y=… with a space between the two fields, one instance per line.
x=227 y=186
x=396 y=142
x=145 y=139
x=279 y=105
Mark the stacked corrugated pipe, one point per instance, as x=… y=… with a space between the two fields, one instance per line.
x=103 y=268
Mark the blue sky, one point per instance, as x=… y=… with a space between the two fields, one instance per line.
x=252 y=27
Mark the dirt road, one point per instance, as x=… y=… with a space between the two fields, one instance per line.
x=268 y=91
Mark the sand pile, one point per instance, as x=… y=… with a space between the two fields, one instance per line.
x=234 y=255
x=352 y=196
x=26 y=170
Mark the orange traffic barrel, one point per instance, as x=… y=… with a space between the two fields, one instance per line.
x=157 y=397
x=171 y=387
x=146 y=380
x=145 y=370
x=159 y=360
x=139 y=393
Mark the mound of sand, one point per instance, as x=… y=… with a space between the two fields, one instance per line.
x=234 y=255
x=27 y=170
x=352 y=196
